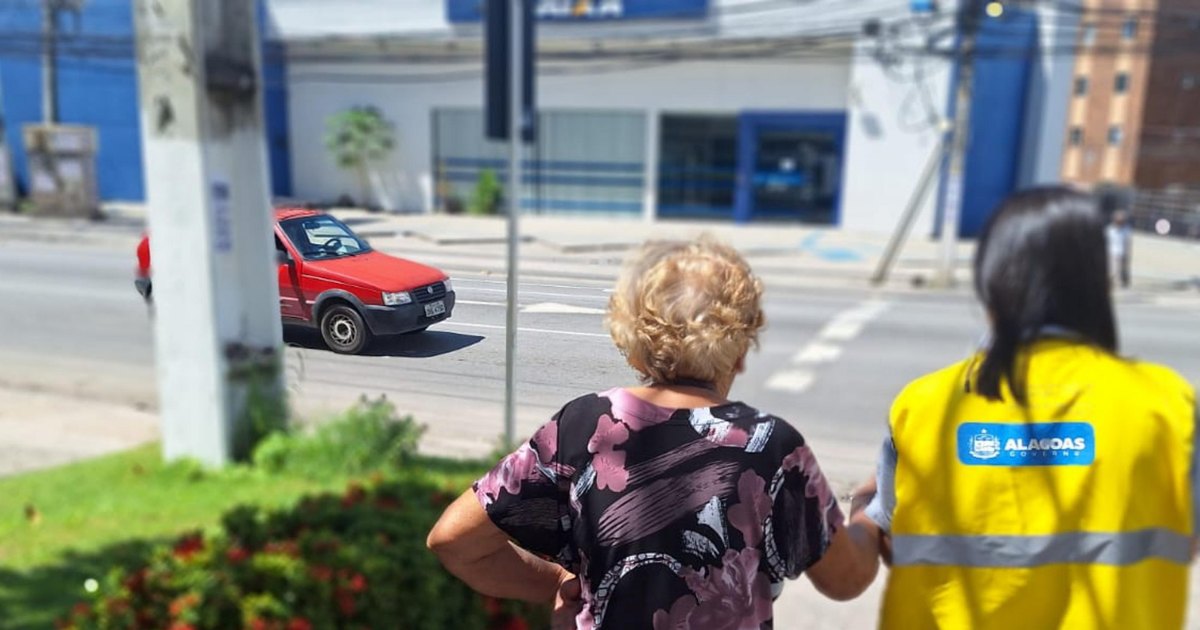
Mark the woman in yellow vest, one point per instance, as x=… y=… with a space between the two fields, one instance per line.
x=1047 y=482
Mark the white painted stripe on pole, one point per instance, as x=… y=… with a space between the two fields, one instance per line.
x=817 y=352
x=569 y=333
x=795 y=381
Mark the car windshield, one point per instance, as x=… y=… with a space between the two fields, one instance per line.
x=322 y=237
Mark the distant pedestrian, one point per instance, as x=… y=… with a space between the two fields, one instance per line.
x=677 y=508
x=1120 y=247
x=1047 y=482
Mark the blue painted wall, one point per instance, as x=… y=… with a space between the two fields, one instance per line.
x=98 y=87
x=1002 y=73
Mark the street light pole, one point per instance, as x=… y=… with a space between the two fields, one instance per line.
x=969 y=18
x=516 y=112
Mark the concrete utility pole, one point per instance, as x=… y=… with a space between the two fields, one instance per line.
x=969 y=17
x=50 y=9
x=217 y=328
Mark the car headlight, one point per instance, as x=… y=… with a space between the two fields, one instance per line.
x=397 y=299
x=449 y=285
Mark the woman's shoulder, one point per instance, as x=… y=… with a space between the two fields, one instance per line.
x=1162 y=380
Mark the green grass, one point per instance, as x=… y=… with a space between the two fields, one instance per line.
x=100 y=513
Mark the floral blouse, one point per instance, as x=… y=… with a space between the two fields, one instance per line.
x=671 y=518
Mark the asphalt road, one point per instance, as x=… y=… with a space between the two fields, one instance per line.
x=830 y=361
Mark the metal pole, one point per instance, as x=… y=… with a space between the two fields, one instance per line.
x=50 y=61
x=952 y=208
x=515 y=112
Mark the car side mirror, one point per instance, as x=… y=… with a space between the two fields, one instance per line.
x=283 y=257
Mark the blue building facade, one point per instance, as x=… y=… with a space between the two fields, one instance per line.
x=97 y=86
x=1003 y=70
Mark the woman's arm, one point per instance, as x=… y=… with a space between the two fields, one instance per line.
x=471 y=547
x=851 y=561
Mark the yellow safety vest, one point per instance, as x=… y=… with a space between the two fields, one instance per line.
x=1075 y=512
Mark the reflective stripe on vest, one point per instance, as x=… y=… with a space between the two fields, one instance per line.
x=1116 y=549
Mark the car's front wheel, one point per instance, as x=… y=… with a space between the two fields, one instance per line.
x=344 y=330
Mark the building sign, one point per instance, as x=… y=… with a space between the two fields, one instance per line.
x=590 y=10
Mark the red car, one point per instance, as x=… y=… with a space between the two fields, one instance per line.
x=332 y=280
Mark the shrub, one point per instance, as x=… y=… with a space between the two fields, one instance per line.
x=355 y=560
x=488 y=193
x=370 y=436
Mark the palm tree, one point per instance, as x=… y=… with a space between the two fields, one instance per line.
x=359 y=139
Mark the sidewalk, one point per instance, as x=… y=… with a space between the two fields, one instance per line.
x=43 y=429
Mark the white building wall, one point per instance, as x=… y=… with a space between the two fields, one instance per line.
x=891 y=138
x=318 y=91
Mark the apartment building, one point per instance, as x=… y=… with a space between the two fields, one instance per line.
x=1134 y=117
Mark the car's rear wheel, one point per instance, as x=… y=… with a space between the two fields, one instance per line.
x=344 y=330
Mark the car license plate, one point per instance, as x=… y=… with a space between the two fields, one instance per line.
x=433 y=309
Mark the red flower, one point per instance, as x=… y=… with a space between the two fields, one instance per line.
x=258 y=624
x=136 y=581
x=179 y=625
x=492 y=606
x=321 y=573
x=345 y=602
x=286 y=548
x=358 y=583
x=117 y=606
x=81 y=610
x=189 y=546
x=237 y=555
x=299 y=623
x=183 y=603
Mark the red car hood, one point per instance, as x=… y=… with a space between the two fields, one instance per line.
x=374 y=270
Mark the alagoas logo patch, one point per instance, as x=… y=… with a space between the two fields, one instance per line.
x=1027 y=444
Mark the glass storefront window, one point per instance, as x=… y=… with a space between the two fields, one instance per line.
x=697 y=165
x=584 y=161
x=796 y=176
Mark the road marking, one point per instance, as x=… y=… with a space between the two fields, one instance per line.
x=795 y=381
x=817 y=352
x=458 y=281
x=573 y=296
x=844 y=326
x=474 y=303
x=542 y=331
x=553 y=308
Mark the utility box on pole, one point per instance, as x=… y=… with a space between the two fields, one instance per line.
x=217 y=326
x=62 y=170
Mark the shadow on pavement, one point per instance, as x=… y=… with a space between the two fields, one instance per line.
x=33 y=599
x=429 y=344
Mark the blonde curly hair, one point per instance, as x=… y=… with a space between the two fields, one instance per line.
x=686 y=310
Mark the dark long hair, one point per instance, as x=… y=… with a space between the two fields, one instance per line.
x=1042 y=261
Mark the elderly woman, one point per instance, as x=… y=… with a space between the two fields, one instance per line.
x=664 y=505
